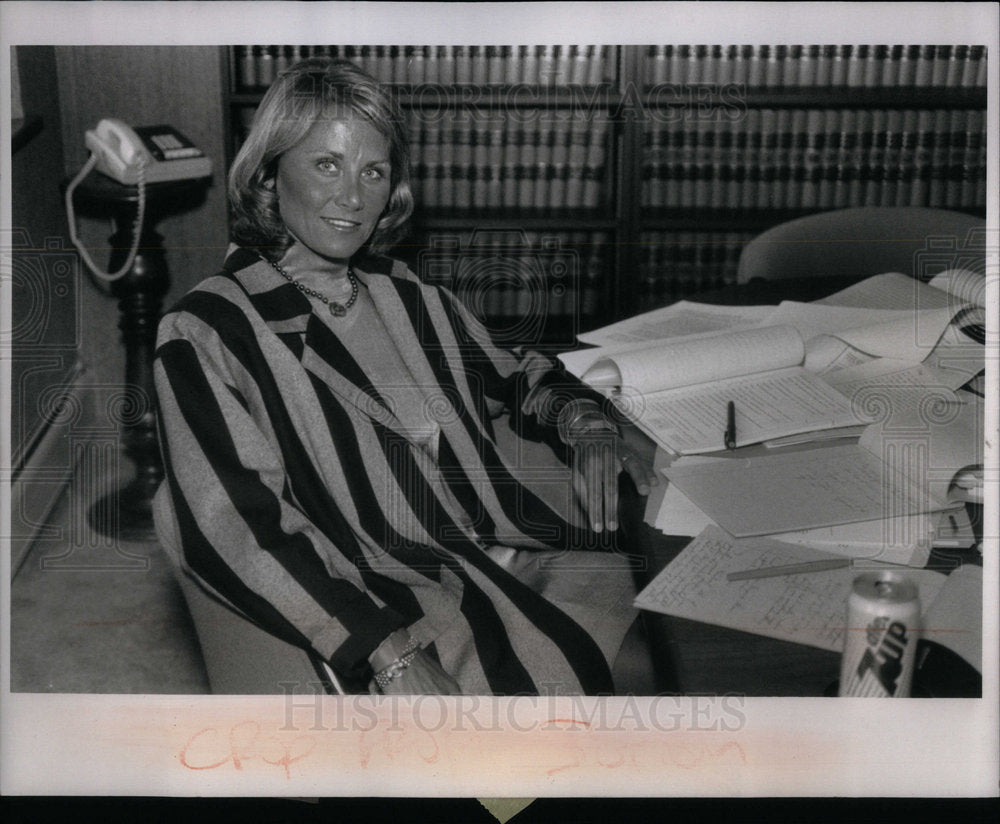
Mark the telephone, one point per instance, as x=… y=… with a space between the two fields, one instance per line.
x=134 y=157
x=164 y=152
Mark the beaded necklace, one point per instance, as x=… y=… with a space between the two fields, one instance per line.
x=337 y=309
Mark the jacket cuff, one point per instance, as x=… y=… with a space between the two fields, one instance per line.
x=371 y=625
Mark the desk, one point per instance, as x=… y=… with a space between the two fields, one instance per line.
x=696 y=658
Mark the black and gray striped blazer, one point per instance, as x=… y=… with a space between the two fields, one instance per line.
x=299 y=499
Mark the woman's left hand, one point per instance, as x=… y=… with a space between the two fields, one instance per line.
x=599 y=456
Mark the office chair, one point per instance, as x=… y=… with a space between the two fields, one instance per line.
x=852 y=244
x=240 y=658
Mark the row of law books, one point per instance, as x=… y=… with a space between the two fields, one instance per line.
x=675 y=265
x=258 y=66
x=458 y=163
x=819 y=159
x=950 y=66
x=507 y=274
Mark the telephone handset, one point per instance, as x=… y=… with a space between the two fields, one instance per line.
x=162 y=151
x=135 y=157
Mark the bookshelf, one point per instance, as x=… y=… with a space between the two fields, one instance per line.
x=592 y=182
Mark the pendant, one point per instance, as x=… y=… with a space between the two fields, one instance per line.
x=337 y=310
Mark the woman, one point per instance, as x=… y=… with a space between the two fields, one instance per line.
x=332 y=468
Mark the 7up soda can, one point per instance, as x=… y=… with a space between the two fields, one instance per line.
x=880 y=644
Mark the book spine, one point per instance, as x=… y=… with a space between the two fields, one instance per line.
x=939 y=68
x=577 y=160
x=727 y=65
x=876 y=158
x=434 y=172
x=889 y=195
x=526 y=183
x=908 y=162
x=980 y=200
x=546 y=65
x=939 y=160
x=890 y=68
x=975 y=133
x=497 y=153
x=839 y=60
x=580 y=57
x=908 y=63
x=721 y=146
x=463 y=65
x=559 y=165
x=874 y=67
x=856 y=64
x=689 y=162
x=594 y=169
x=418 y=168
x=529 y=65
x=543 y=166
x=831 y=156
x=807 y=66
x=764 y=197
x=956 y=158
x=677 y=64
x=783 y=160
x=923 y=153
x=847 y=149
x=971 y=76
x=814 y=158
x=956 y=66
x=858 y=177
x=756 y=62
x=246 y=69
x=925 y=66
x=511 y=66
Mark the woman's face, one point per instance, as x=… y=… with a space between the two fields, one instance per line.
x=333 y=185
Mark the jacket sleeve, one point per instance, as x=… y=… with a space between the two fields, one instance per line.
x=240 y=530
x=536 y=390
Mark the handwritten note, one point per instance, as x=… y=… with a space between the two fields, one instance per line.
x=816 y=487
x=692 y=419
x=808 y=609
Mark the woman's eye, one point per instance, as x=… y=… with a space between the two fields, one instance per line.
x=375 y=174
x=327 y=165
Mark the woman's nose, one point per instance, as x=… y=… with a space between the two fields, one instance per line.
x=348 y=194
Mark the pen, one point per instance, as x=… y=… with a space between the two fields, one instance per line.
x=730 y=435
x=789 y=569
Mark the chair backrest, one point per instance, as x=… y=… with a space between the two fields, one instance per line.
x=240 y=657
x=859 y=242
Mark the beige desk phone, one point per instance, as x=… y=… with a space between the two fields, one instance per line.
x=134 y=157
x=165 y=153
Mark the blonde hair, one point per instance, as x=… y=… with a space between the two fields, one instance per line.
x=309 y=91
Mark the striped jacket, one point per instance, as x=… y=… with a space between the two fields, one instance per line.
x=299 y=499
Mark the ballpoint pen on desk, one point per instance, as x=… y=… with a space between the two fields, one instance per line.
x=790 y=569
x=730 y=434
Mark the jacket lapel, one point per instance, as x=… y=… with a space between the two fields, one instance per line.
x=287 y=313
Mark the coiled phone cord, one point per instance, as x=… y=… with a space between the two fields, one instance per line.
x=136 y=228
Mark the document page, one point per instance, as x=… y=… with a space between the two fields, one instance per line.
x=677 y=320
x=808 y=608
x=891 y=290
x=693 y=419
x=800 y=490
x=701 y=359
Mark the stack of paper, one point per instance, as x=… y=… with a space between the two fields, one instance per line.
x=807 y=609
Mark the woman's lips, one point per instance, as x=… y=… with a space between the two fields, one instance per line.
x=341 y=225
